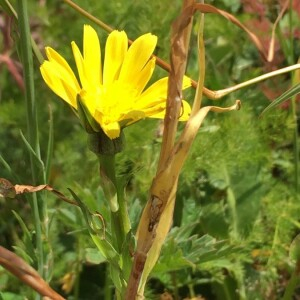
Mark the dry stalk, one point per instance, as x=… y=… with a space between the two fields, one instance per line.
x=18 y=267
x=162 y=197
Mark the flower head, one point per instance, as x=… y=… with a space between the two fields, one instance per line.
x=114 y=95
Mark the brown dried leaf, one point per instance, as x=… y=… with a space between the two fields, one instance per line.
x=267 y=55
x=7 y=188
x=149 y=229
x=180 y=37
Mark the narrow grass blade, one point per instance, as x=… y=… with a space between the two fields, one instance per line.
x=37 y=160
x=284 y=97
x=49 y=147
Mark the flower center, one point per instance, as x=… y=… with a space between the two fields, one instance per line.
x=115 y=100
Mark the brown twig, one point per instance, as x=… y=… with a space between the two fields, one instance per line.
x=18 y=267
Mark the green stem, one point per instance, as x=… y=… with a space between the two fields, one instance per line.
x=120 y=224
x=191 y=291
x=175 y=285
x=123 y=208
x=292 y=284
x=231 y=200
x=296 y=144
x=80 y=247
x=107 y=286
x=109 y=183
x=108 y=164
x=275 y=242
x=26 y=52
x=32 y=125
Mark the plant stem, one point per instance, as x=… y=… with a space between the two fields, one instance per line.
x=292 y=284
x=175 y=285
x=107 y=287
x=231 y=200
x=25 y=43
x=108 y=174
x=107 y=163
x=296 y=144
x=26 y=53
x=79 y=250
x=120 y=223
x=38 y=203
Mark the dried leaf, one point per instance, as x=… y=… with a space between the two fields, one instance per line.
x=7 y=189
x=267 y=55
x=160 y=204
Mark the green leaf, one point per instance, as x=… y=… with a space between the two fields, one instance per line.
x=8 y=8
x=181 y=250
x=97 y=232
x=284 y=97
x=37 y=160
x=8 y=168
x=68 y=217
x=10 y=296
x=22 y=253
x=101 y=239
x=27 y=238
x=295 y=249
x=93 y=256
x=49 y=146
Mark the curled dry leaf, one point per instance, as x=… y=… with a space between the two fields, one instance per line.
x=267 y=55
x=8 y=190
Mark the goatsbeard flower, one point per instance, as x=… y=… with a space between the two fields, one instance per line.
x=114 y=95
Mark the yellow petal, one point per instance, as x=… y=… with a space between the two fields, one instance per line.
x=185 y=111
x=157 y=112
x=137 y=56
x=132 y=117
x=186 y=82
x=115 y=50
x=161 y=111
x=89 y=98
x=155 y=94
x=63 y=68
x=80 y=65
x=112 y=130
x=143 y=77
x=92 y=56
x=60 y=85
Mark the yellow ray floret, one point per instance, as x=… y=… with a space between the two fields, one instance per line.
x=115 y=97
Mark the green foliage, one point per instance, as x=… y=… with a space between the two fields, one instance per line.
x=183 y=250
x=236 y=211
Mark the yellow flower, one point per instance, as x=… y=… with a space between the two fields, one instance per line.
x=115 y=97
